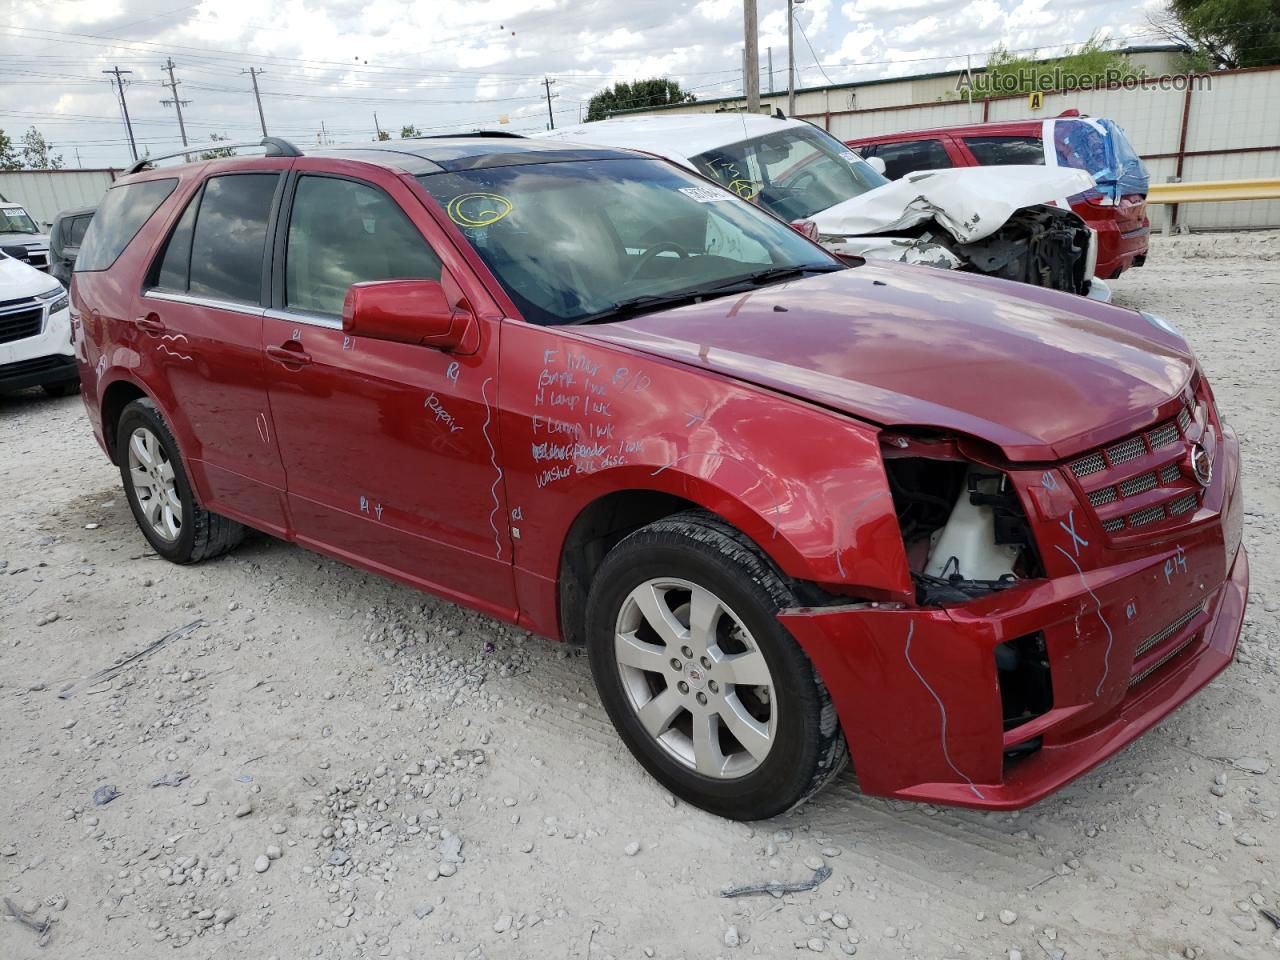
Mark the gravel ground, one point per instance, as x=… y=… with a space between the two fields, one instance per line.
x=347 y=768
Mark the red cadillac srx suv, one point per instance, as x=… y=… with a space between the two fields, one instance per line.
x=974 y=536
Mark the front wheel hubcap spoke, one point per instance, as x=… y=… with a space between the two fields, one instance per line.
x=746 y=729
x=631 y=651
x=746 y=669
x=657 y=714
x=708 y=757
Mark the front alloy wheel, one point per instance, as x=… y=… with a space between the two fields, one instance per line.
x=695 y=677
x=703 y=683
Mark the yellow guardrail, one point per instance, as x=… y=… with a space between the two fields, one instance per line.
x=1214 y=190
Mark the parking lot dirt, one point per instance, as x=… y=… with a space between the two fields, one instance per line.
x=331 y=765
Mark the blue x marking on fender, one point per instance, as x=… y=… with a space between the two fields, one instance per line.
x=1077 y=541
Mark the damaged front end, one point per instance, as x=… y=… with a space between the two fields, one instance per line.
x=964 y=529
x=992 y=220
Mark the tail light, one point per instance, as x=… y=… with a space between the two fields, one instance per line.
x=806 y=228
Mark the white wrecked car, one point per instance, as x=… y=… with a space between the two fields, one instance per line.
x=992 y=220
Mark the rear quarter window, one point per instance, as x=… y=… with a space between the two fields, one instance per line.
x=117 y=221
x=992 y=151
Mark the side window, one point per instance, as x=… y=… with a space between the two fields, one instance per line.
x=230 y=236
x=343 y=232
x=75 y=233
x=903 y=158
x=992 y=151
x=123 y=212
x=172 y=271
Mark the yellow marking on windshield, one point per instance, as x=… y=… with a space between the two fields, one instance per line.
x=478 y=209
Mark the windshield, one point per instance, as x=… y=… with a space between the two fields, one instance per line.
x=794 y=173
x=572 y=241
x=16 y=220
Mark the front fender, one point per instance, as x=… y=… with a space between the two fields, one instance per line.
x=582 y=420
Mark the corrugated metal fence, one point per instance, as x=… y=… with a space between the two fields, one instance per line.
x=46 y=192
x=1225 y=126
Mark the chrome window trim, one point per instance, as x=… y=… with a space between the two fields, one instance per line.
x=249 y=309
x=309 y=319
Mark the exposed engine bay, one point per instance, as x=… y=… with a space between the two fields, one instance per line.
x=963 y=526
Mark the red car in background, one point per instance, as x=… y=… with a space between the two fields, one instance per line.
x=1116 y=208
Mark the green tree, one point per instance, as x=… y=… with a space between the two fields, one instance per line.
x=36 y=152
x=655 y=92
x=217 y=153
x=1093 y=59
x=409 y=130
x=1223 y=34
x=8 y=157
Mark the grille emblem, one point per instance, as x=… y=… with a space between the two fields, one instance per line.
x=1201 y=464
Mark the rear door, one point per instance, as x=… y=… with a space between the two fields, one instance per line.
x=390 y=448
x=989 y=150
x=201 y=320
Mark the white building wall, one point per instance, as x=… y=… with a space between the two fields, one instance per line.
x=46 y=192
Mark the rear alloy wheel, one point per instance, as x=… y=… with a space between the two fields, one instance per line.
x=705 y=686
x=160 y=495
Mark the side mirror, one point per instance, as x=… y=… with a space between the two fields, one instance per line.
x=876 y=164
x=17 y=253
x=409 y=311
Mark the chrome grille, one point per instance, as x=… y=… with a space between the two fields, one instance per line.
x=1126 y=450
x=1103 y=495
x=1139 y=484
x=1112 y=485
x=1085 y=466
x=1141 y=518
x=1163 y=435
x=1165 y=633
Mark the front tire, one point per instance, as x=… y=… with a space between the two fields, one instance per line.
x=704 y=685
x=159 y=491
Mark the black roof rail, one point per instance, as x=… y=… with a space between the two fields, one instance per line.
x=275 y=147
x=469 y=133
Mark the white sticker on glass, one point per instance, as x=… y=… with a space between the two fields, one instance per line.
x=704 y=194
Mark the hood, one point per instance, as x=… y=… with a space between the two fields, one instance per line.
x=970 y=203
x=18 y=279
x=39 y=241
x=1042 y=375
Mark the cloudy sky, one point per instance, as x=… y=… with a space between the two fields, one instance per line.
x=441 y=64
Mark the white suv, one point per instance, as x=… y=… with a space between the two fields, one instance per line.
x=35 y=331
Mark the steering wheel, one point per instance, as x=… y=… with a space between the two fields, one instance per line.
x=659 y=247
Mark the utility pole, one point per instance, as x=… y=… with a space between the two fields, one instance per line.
x=377 y=130
x=124 y=107
x=253 y=75
x=771 y=71
x=177 y=102
x=752 y=65
x=551 y=117
x=791 y=59
x=324 y=135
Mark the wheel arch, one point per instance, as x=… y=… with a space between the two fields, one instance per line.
x=117 y=395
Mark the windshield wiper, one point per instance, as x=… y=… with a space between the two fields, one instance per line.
x=775 y=274
x=635 y=305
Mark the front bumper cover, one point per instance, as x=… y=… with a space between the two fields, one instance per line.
x=918 y=692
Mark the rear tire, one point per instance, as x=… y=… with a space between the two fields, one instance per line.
x=729 y=714
x=159 y=491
